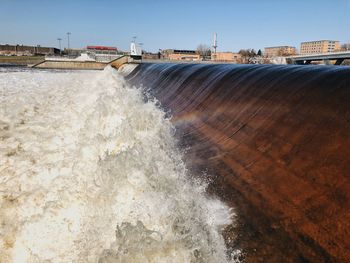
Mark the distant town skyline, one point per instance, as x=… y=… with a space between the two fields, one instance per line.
x=161 y=24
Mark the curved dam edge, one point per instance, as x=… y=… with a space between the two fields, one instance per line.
x=276 y=140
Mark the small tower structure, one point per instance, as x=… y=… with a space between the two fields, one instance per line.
x=215 y=45
x=215 y=42
x=135 y=50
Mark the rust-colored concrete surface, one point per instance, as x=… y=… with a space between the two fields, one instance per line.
x=276 y=142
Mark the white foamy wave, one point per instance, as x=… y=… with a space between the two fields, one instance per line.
x=89 y=172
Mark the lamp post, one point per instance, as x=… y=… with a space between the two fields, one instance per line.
x=140 y=45
x=68 y=34
x=59 y=44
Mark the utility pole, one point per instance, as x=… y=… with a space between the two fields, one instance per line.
x=59 y=44
x=68 y=34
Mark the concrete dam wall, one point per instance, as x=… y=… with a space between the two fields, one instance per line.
x=275 y=141
x=82 y=65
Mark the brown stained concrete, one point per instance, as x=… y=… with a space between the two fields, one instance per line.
x=267 y=225
x=274 y=143
x=290 y=189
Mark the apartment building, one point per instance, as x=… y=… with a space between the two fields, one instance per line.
x=175 y=54
x=319 y=46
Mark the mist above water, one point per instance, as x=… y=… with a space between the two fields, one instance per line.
x=90 y=172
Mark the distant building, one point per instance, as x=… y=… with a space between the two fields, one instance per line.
x=98 y=53
x=279 y=51
x=95 y=50
x=151 y=56
x=103 y=50
x=102 y=53
x=176 y=54
x=73 y=52
x=318 y=47
x=226 y=57
x=20 y=50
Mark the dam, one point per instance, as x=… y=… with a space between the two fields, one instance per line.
x=175 y=163
x=276 y=140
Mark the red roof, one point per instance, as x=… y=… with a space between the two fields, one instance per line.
x=102 y=48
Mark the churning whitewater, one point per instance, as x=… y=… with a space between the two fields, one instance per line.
x=90 y=172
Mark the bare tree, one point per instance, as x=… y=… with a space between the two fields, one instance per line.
x=247 y=55
x=282 y=52
x=204 y=51
x=345 y=47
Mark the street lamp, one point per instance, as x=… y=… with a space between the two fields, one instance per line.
x=59 y=44
x=140 y=45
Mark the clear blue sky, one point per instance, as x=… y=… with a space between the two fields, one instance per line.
x=181 y=24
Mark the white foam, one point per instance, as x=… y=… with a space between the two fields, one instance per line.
x=90 y=172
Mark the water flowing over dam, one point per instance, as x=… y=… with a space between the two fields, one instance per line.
x=175 y=163
x=90 y=172
x=276 y=141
